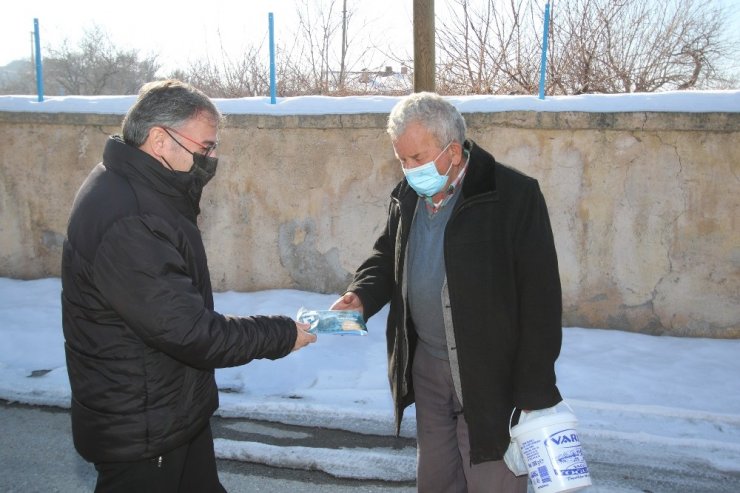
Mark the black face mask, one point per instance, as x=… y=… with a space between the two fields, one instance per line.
x=200 y=173
x=204 y=168
x=193 y=181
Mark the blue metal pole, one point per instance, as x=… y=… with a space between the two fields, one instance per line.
x=543 y=65
x=272 y=58
x=39 y=71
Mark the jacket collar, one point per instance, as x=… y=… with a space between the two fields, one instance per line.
x=481 y=175
x=136 y=165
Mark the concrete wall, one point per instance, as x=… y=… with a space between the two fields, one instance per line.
x=644 y=206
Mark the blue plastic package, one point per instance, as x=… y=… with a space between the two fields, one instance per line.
x=342 y=322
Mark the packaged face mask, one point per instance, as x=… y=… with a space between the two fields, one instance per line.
x=344 y=322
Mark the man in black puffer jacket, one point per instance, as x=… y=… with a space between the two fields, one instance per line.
x=142 y=339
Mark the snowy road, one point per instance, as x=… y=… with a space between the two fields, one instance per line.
x=656 y=413
x=621 y=460
x=37 y=456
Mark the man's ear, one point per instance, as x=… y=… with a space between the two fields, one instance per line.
x=156 y=140
x=155 y=143
x=457 y=151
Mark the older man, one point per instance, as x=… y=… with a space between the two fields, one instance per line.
x=142 y=338
x=468 y=264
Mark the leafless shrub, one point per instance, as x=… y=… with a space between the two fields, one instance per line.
x=483 y=47
x=607 y=46
x=95 y=66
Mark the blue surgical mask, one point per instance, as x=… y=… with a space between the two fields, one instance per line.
x=425 y=179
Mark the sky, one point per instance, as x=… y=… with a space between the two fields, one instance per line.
x=641 y=398
x=181 y=34
x=187 y=33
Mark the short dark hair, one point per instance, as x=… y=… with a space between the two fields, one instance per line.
x=164 y=103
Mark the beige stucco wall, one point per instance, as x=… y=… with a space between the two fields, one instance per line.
x=644 y=206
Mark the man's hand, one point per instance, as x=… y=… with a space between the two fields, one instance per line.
x=304 y=337
x=348 y=301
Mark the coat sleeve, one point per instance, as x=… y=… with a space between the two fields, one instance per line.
x=145 y=279
x=539 y=305
x=374 y=280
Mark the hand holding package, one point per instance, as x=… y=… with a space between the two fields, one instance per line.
x=333 y=321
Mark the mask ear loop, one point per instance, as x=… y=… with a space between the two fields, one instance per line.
x=160 y=156
x=459 y=177
x=167 y=163
x=449 y=168
x=178 y=143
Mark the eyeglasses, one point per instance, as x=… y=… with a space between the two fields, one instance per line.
x=207 y=149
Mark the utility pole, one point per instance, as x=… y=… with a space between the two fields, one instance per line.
x=424 y=58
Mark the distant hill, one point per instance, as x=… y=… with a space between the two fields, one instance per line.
x=15 y=68
x=17 y=77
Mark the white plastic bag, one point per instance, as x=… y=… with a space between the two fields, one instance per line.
x=513 y=457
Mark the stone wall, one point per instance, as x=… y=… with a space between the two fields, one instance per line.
x=644 y=206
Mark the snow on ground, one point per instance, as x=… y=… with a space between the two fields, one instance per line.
x=638 y=398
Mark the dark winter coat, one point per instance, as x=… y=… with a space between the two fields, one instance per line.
x=141 y=337
x=504 y=294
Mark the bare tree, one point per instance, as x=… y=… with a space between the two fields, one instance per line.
x=95 y=66
x=318 y=30
x=608 y=46
x=329 y=50
x=313 y=60
x=230 y=77
x=467 y=63
x=483 y=47
x=616 y=46
x=490 y=47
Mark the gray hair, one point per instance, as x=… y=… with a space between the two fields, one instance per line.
x=164 y=103
x=437 y=115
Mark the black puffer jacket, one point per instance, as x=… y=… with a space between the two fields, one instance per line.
x=142 y=339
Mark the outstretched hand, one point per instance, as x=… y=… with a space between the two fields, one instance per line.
x=304 y=338
x=348 y=301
